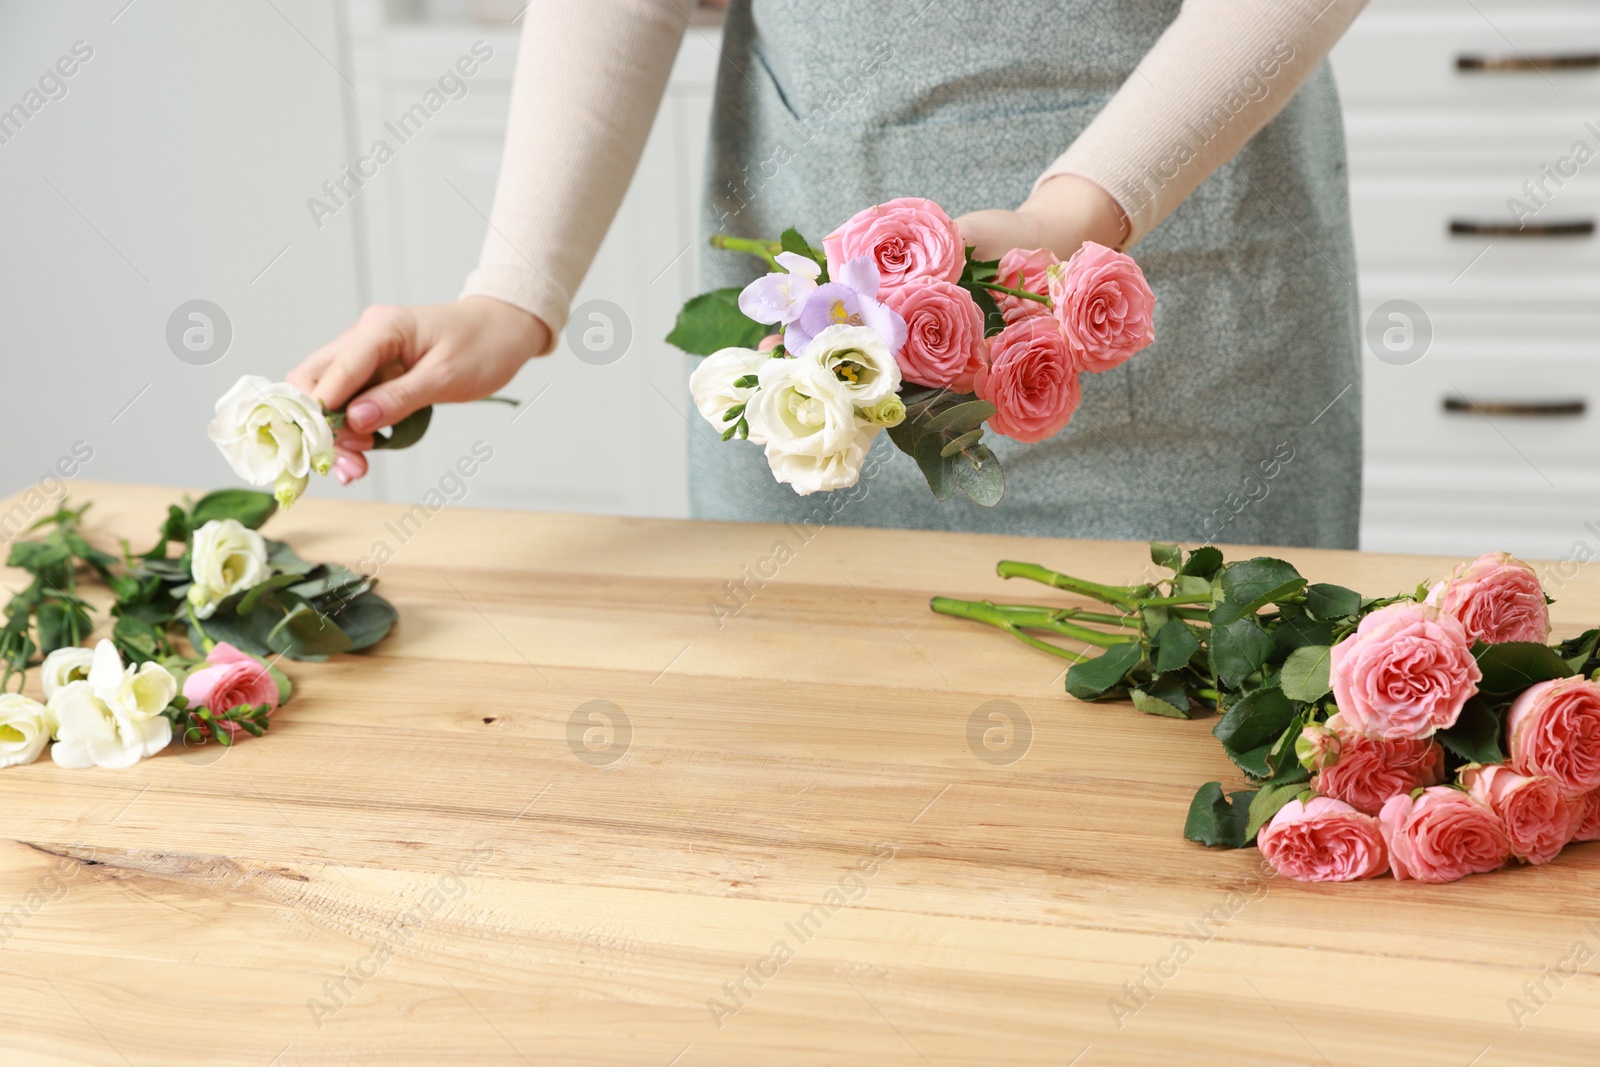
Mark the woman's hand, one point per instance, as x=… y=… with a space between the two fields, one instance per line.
x=396 y=360
x=1065 y=212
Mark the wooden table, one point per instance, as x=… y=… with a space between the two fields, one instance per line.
x=444 y=853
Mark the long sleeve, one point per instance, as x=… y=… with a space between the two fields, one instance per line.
x=1218 y=74
x=590 y=77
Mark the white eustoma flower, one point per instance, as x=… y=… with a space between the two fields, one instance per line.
x=272 y=434
x=90 y=734
x=25 y=728
x=778 y=297
x=136 y=693
x=70 y=664
x=227 y=556
x=711 y=384
x=814 y=439
x=855 y=362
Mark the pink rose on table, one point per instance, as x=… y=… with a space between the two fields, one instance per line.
x=229 y=679
x=1370 y=770
x=1553 y=728
x=1405 y=672
x=1497 y=597
x=1323 y=840
x=1588 y=816
x=1538 y=819
x=1024 y=268
x=1030 y=379
x=944 y=343
x=1442 y=835
x=907 y=239
x=1104 y=305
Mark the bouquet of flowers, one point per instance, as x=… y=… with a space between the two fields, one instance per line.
x=894 y=325
x=1431 y=735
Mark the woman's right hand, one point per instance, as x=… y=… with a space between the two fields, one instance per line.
x=396 y=360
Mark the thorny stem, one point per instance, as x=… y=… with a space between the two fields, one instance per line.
x=1023 y=293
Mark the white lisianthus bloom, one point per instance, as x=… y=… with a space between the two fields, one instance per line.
x=272 y=434
x=227 y=556
x=90 y=734
x=136 y=693
x=70 y=664
x=856 y=362
x=25 y=728
x=814 y=439
x=711 y=384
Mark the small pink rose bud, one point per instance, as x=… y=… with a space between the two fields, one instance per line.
x=1317 y=747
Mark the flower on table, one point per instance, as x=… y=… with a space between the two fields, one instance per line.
x=1031 y=380
x=850 y=299
x=25 y=728
x=1441 y=835
x=272 y=434
x=1407 y=671
x=944 y=344
x=1553 y=728
x=1497 y=598
x=1323 y=840
x=69 y=664
x=230 y=679
x=1587 y=807
x=1538 y=819
x=1365 y=772
x=906 y=239
x=1104 y=305
x=112 y=718
x=227 y=557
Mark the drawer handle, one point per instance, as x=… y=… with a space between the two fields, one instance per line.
x=1522 y=64
x=1543 y=409
x=1567 y=228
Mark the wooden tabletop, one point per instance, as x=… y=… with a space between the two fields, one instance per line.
x=566 y=815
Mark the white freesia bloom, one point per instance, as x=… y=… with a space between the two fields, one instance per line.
x=272 y=434
x=814 y=439
x=25 y=728
x=855 y=363
x=90 y=734
x=227 y=556
x=137 y=694
x=711 y=384
x=70 y=664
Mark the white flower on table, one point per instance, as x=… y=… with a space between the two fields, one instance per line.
x=227 y=556
x=25 y=728
x=272 y=434
x=70 y=664
x=113 y=717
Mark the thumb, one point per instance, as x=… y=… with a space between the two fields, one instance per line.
x=389 y=402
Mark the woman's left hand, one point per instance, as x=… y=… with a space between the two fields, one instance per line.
x=1065 y=212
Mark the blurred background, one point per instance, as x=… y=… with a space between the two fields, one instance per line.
x=170 y=176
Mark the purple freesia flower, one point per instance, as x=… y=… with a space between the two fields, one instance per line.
x=851 y=299
x=775 y=298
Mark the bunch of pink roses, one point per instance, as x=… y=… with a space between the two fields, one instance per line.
x=894 y=326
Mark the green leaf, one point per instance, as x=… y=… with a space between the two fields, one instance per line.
x=1265 y=804
x=1203 y=562
x=1093 y=679
x=405 y=433
x=1475 y=737
x=1255 y=719
x=1304 y=675
x=249 y=507
x=1166 y=555
x=1291 y=633
x=1328 y=602
x=1514 y=666
x=137 y=640
x=1255 y=762
x=1238 y=649
x=37 y=555
x=979 y=475
x=935 y=422
x=1252 y=584
x=305 y=632
x=960 y=417
x=1175 y=645
x=253 y=595
x=1578 y=651
x=1218 y=820
x=712 y=321
x=1154 y=705
x=365 y=620
x=283 y=559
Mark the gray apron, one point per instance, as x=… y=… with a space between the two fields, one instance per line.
x=1241 y=423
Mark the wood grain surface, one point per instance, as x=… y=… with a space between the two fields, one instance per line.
x=566 y=815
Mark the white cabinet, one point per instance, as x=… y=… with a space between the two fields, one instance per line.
x=1482 y=339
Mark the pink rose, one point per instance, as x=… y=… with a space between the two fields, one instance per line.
x=1024 y=268
x=1369 y=770
x=229 y=679
x=944 y=343
x=1538 y=819
x=1442 y=835
x=1405 y=672
x=1103 y=304
x=1323 y=840
x=1030 y=379
x=1588 y=816
x=908 y=239
x=1497 y=597
x=1554 y=728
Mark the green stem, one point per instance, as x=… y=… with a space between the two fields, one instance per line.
x=767 y=250
x=206 y=643
x=985 y=612
x=1023 y=293
x=1110 y=594
x=1164 y=601
x=1053 y=620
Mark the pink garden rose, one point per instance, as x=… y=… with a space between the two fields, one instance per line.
x=1323 y=840
x=1370 y=770
x=229 y=679
x=1553 y=728
x=1588 y=816
x=1442 y=835
x=1104 y=305
x=1030 y=379
x=1497 y=597
x=907 y=239
x=1024 y=268
x=1538 y=819
x=944 y=343
x=1405 y=672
